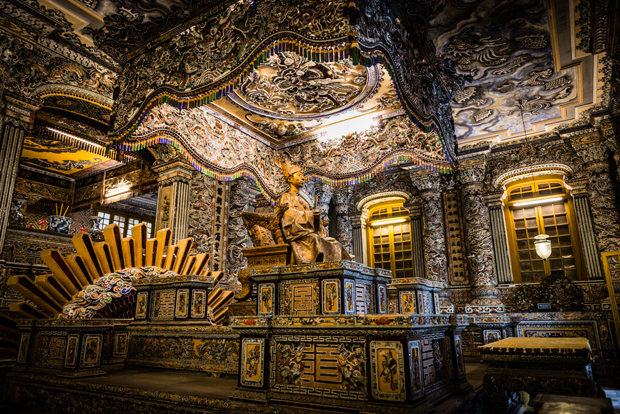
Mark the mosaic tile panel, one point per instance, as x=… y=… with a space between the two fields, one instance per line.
x=252 y=362
x=71 y=355
x=90 y=356
x=266 y=298
x=182 y=303
x=407 y=302
x=331 y=296
x=387 y=371
x=415 y=369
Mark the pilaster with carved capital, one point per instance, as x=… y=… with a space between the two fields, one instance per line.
x=501 y=255
x=479 y=238
x=16 y=118
x=174 y=177
x=579 y=190
x=344 y=231
x=605 y=212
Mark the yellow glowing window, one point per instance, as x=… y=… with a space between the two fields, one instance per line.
x=390 y=240
x=542 y=208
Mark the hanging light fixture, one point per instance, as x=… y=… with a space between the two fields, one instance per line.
x=543 y=246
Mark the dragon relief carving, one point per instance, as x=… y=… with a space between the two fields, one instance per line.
x=301 y=86
x=218 y=44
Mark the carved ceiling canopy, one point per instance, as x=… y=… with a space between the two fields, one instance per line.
x=347 y=87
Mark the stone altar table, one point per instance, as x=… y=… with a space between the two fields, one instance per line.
x=534 y=365
x=327 y=288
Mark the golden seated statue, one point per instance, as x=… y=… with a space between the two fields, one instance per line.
x=293 y=234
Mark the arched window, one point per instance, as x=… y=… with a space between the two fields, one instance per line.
x=542 y=206
x=390 y=242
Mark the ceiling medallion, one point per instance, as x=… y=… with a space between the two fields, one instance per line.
x=290 y=87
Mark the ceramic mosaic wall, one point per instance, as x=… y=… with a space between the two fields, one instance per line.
x=226 y=147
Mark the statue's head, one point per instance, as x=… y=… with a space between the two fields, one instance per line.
x=293 y=174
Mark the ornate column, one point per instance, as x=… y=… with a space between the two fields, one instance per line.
x=16 y=118
x=579 y=191
x=236 y=233
x=324 y=194
x=430 y=185
x=605 y=213
x=343 y=221
x=173 y=195
x=499 y=236
x=479 y=239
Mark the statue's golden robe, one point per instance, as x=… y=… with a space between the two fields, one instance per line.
x=309 y=245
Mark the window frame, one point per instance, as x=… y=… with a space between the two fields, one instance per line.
x=127 y=216
x=370 y=237
x=570 y=215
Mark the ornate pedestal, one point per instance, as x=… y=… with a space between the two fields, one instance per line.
x=486 y=329
x=418 y=295
x=315 y=342
x=321 y=289
x=71 y=348
x=174 y=325
x=188 y=298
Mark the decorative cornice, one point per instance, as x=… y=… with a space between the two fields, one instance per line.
x=578 y=188
x=531 y=171
x=386 y=196
x=74 y=92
